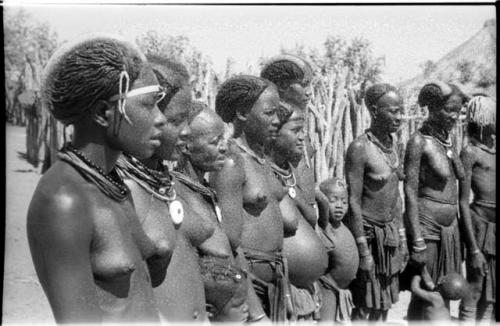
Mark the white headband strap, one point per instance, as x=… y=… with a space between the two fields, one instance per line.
x=122 y=96
x=137 y=92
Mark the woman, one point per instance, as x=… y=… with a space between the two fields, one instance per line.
x=375 y=214
x=245 y=181
x=306 y=255
x=293 y=76
x=478 y=158
x=86 y=240
x=432 y=167
x=149 y=180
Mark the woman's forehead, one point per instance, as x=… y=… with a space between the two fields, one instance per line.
x=390 y=98
x=146 y=77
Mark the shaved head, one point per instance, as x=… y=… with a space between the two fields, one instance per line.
x=205 y=121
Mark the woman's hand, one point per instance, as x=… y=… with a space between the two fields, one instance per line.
x=477 y=263
x=367 y=268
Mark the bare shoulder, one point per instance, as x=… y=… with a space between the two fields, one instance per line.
x=60 y=201
x=468 y=151
x=357 y=149
x=416 y=141
x=232 y=169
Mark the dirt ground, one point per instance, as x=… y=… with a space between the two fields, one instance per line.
x=23 y=297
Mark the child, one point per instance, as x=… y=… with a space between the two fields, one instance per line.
x=452 y=286
x=225 y=291
x=342 y=251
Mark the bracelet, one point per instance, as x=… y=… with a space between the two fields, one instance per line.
x=259 y=317
x=402 y=231
x=474 y=252
x=418 y=240
x=365 y=254
x=361 y=239
x=419 y=249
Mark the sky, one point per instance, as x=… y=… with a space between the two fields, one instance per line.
x=405 y=35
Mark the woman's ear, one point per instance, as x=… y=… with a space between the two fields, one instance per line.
x=241 y=116
x=102 y=113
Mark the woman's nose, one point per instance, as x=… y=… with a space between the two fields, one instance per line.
x=185 y=132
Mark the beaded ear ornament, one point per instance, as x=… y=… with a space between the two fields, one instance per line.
x=123 y=94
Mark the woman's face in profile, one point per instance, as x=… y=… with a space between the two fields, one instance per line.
x=447 y=115
x=262 y=121
x=176 y=114
x=142 y=137
x=389 y=110
x=299 y=92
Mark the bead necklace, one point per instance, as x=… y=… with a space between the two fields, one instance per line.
x=387 y=152
x=285 y=176
x=203 y=190
x=250 y=152
x=111 y=184
x=491 y=150
x=429 y=130
x=158 y=183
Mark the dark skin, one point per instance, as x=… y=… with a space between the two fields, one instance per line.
x=343 y=259
x=434 y=305
x=204 y=152
x=88 y=248
x=429 y=172
x=151 y=210
x=244 y=183
x=298 y=94
x=307 y=257
x=480 y=176
x=370 y=179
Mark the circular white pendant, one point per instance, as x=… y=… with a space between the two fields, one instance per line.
x=218 y=213
x=176 y=212
x=291 y=192
x=449 y=153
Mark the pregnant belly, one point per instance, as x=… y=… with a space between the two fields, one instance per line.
x=307 y=257
x=344 y=258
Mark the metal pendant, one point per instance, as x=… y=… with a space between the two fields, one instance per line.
x=176 y=212
x=218 y=213
x=449 y=153
x=291 y=192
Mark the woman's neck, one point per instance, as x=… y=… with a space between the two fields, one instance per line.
x=438 y=128
x=153 y=162
x=278 y=159
x=189 y=170
x=95 y=149
x=381 y=134
x=257 y=148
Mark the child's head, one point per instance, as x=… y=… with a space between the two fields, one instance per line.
x=452 y=286
x=225 y=291
x=482 y=117
x=335 y=190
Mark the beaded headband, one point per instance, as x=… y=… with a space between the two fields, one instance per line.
x=121 y=97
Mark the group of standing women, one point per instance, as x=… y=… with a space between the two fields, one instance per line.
x=239 y=231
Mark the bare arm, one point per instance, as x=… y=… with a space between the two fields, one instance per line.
x=413 y=157
x=468 y=160
x=355 y=171
x=60 y=234
x=427 y=296
x=323 y=208
x=306 y=209
x=228 y=183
